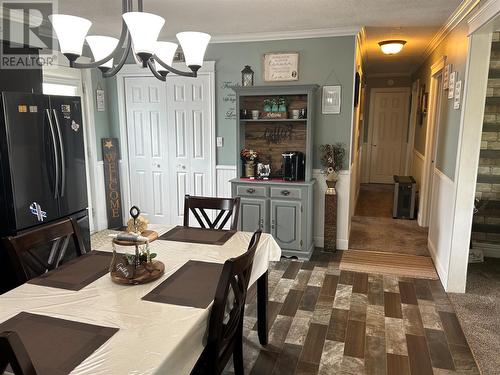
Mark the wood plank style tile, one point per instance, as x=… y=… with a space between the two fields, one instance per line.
x=338 y=325
x=392 y=305
x=397 y=365
x=452 y=328
x=299 y=328
x=418 y=354
x=358 y=308
x=355 y=339
x=323 y=310
x=331 y=358
x=360 y=283
x=375 y=290
x=395 y=339
x=352 y=365
x=430 y=317
x=317 y=276
x=305 y=368
x=279 y=332
x=412 y=320
x=291 y=303
x=408 y=293
x=329 y=285
x=309 y=298
x=346 y=277
x=375 y=321
x=301 y=280
x=375 y=356
x=292 y=270
x=439 y=350
x=343 y=297
x=287 y=361
x=422 y=289
x=463 y=359
x=265 y=363
x=313 y=346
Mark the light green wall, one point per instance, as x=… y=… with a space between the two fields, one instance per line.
x=323 y=61
x=454 y=47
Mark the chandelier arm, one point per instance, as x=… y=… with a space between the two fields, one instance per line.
x=173 y=70
x=155 y=73
x=126 y=5
x=123 y=59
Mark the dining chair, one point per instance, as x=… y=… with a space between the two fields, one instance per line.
x=13 y=353
x=225 y=327
x=25 y=252
x=228 y=209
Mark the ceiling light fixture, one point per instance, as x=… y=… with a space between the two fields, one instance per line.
x=391 y=47
x=139 y=36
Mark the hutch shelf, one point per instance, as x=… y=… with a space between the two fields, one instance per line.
x=282 y=208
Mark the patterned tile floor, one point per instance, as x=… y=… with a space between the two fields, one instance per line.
x=327 y=321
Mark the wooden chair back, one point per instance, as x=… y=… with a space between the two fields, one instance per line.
x=22 y=248
x=228 y=209
x=225 y=328
x=13 y=353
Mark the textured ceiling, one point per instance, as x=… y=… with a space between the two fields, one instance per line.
x=225 y=19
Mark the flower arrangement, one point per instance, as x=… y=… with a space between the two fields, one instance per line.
x=332 y=159
x=248 y=155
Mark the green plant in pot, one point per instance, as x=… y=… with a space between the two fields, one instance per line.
x=249 y=157
x=332 y=161
x=274 y=105
x=268 y=105
x=281 y=104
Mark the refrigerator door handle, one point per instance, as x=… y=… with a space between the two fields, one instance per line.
x=61 y=151
x=56 y=157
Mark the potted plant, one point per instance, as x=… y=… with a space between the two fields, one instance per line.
x=282 y=104
x=249 y=157
x=332 y=160
x=274 y=105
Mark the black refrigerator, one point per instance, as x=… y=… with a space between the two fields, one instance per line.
x=42 y=161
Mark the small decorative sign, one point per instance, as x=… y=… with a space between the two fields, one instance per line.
x=331 y=99
x=458 y=94
x=110 y=157
x=278 y=134
x=451 y=85
x=281 y=66
x=100 y=101
x=446 y=76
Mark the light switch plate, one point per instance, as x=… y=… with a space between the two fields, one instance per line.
x=220 y=141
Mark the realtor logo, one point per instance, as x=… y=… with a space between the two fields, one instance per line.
x=36 y=210
x=25 y=26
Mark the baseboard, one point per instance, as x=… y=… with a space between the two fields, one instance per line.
x=489 y=250
x=439 y=267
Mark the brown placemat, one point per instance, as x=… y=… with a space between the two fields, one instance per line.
x=56 y=346
x=198 y=235
x=77 y=273
x=193 y=285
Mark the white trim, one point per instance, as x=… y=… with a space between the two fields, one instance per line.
x=433 y=118
x=483 y=15
x=469 y=144
x=418 y=154
x=441 y=271
x=371 y=119
x=412 y=126
x=456 y=17
x=362 y=47
x=134 y=70
x=284 y=35
x=225 y=167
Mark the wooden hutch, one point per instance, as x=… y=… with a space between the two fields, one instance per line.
x=282 y=208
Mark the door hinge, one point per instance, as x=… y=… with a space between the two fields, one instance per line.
x=300 y=242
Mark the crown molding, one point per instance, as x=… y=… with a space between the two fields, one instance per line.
x=465 y=7
x=284 y=35
x=483 y=15
x=388 y=75
x=362 y=46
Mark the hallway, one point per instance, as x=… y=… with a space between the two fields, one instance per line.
x=374 y=229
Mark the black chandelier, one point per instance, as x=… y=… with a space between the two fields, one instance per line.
x=139 y=34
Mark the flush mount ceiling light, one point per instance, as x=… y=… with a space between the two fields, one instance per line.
x=139 y=36
x=391 y=47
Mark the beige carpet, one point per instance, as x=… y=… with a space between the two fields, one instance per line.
x=479 y=313
x=375 y=200
x=388 y=264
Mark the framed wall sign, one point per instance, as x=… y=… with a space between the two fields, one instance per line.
x=446 y=76
x=282 y=66
x=331 y=99
x=100 y=101
x=458 y=94
x=451 y=85
x=110 y=157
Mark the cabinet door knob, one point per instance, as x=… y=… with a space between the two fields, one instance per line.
x=250 y=190
x=285 y=192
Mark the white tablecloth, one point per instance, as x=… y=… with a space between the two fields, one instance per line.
x=153 y=338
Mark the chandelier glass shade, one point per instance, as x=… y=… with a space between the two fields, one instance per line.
x=139 y=36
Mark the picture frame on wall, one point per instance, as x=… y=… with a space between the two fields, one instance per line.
x=280 y=66
x=457 y=95
x=451 y=84
x=446 y=76
x=331 y=100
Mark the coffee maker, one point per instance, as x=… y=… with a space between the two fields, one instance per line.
x=294 y=166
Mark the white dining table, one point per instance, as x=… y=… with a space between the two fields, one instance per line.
x=153 y=338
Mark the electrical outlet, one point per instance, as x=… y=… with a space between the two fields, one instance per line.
x=220 y=141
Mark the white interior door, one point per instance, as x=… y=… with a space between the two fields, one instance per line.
x=389 y=130
x=147 y=147
x=190 y=139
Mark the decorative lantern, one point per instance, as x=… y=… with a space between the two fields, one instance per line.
x=247 y=76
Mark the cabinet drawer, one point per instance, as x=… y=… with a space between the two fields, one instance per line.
x=251 y=191
x=285 y=192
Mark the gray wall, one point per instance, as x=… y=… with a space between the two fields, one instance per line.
x=454 y=47
x=324 y=61
x=102 y=122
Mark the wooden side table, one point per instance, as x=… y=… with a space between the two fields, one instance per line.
x=330 y=231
